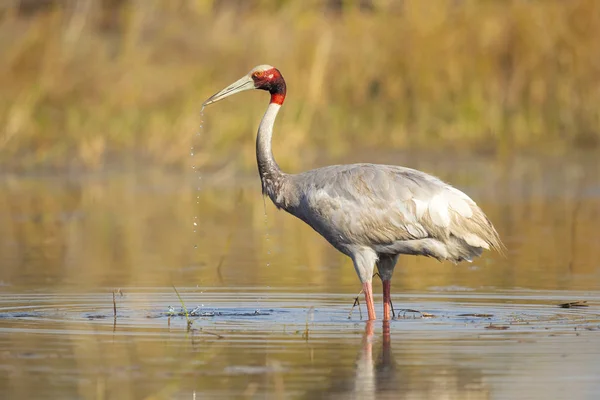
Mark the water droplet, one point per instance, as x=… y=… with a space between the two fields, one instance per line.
x=196 y=170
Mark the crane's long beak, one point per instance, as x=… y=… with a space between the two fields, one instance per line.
x=245 y=83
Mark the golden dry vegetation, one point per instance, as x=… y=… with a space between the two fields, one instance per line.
x=87 y=83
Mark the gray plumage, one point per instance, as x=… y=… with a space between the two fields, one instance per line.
x=392 y=210
x=373 y=212
x=370 y=212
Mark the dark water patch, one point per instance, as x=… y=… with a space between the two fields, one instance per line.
x=10 y=315
x=497 y=327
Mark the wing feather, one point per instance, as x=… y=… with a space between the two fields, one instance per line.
x=373 y=204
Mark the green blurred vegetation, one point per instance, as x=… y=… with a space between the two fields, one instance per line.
x=85 y=83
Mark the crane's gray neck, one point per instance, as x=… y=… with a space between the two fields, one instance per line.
x=271 y=175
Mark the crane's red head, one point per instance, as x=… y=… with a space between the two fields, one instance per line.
x=263 y=77
x=269 y=78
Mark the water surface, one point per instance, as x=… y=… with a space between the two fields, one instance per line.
x=271 y=300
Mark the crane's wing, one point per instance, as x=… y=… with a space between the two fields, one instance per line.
x=380 y=205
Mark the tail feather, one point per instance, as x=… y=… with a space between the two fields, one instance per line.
x=478 y=232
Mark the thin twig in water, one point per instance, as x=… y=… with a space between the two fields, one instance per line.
x=357 y=302
x=114 y=306
x=187 y=315
x=309 y=313
x=218 y=335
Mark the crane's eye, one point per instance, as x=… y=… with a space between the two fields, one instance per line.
x=256 y=74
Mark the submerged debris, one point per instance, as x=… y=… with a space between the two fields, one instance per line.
x=423 y=314
x=574 y=304
x=476 y=315
x=196 y=312
x=97 y=316
x=200 y=312
x=497 y=327
x=588 y=328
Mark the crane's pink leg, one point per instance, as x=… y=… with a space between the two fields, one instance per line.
x=368 y=289
x=386 y=300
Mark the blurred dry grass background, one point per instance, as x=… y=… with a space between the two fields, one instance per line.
x=89 y=82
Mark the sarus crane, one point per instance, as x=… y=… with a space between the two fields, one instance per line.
x=370 y=212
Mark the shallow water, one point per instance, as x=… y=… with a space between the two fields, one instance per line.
x=286 y=343
x=270 y=301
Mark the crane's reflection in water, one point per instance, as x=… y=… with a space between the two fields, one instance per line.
x=379 y=374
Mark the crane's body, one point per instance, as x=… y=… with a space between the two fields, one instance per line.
x=372 y=213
